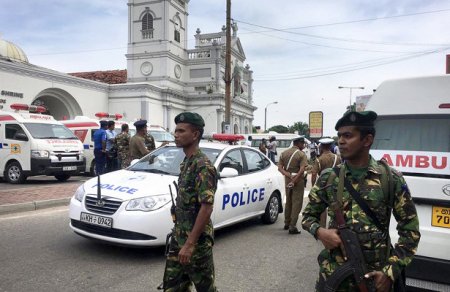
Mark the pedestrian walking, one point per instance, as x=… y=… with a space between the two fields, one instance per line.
x=123 y=146
x=137 y=142
x=292 y=165
x=360 y=195
x=100 y=148
x=249 y=141
x=190 y=256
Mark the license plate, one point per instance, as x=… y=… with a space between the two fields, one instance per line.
x=68 y=168
x=96 y=220
x=440 y=217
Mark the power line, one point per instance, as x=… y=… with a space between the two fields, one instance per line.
x=354 y=69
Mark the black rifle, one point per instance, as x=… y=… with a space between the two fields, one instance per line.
x=355 y=264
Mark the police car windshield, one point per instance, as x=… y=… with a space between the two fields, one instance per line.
x=49 y=131
x=161 y=136
x=167 y=160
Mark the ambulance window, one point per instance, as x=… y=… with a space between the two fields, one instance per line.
x=11 y=130
x=417 y=133
x=233 y=159
x=255 y=161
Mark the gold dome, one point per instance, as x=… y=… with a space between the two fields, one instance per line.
x=12 y=52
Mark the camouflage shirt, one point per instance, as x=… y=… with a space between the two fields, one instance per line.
x=373 y=241
x=197 y=184
x=123 y=144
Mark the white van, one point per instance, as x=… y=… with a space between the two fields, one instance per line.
x=84 y=128
x=160 y=135
x=284 y=141
x=413 y=135
x=32 y=144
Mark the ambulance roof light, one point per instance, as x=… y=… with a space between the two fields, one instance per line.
x=103 y=115
x=26 y=107
x=444 y=105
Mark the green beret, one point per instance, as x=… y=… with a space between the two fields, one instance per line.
x=190 y=118
x=351 y=118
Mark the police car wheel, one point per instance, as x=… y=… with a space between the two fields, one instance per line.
x=62 y=177
x=14 y=173
x=272 y=209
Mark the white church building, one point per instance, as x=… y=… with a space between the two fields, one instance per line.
x=162 y=79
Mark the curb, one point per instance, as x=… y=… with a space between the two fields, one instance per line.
x=32 y=206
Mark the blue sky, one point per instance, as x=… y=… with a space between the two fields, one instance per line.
x=294 y=47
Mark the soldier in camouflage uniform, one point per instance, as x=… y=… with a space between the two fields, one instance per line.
x=123 y=147
x=190 y=257
x=356 y=134
x=149 y=142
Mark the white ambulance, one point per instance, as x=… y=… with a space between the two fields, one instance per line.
x=413 y=135
x=160 y=135
x=32 y=143
x=84 y=128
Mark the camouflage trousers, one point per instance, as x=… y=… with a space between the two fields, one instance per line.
x=200 y=271
x=124 y=160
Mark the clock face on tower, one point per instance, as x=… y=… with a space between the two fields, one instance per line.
x=177 y=71
x=146 y=68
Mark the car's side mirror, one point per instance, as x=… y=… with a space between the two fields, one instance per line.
x=133 y=162
x=228 y=172
x=21 y=137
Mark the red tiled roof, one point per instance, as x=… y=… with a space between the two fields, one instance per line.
x=110 y=77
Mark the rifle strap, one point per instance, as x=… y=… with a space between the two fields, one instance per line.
x=357 y=197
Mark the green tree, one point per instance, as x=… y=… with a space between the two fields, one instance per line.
x=279 y=129
x=301 y=127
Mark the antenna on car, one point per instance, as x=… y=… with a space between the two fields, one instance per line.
x=99 y=189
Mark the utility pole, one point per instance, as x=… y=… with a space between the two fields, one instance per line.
x=228 y=67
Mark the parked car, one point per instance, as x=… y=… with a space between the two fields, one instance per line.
x=133 y=207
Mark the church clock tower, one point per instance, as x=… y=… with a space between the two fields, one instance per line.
x=157 y=41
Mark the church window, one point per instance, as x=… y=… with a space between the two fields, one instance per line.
x=177 y=27
x=147 y=26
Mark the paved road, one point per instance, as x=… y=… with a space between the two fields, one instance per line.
x=39 y=181
x=38 y=252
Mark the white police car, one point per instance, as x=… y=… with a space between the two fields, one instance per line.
x=134 y=204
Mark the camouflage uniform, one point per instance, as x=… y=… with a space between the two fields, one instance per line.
x=197 y=184
x=373 y=241
x=149 y=142
x=294 y=196
x=123 y=149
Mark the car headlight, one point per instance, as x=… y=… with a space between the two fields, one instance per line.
x=40 y=154
x=79 y=193
x=150 y=203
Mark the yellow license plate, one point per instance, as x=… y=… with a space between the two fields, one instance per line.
x=440 y=217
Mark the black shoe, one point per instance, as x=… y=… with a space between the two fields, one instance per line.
x=294 y=231
x=286 y=227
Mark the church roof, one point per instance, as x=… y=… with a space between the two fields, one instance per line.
x=12 y=52
x=109 y=77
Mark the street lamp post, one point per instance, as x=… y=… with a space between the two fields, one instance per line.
x=265 y=114
x=351 y=88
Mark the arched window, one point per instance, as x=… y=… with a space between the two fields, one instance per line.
x=147 y=26
x=177 y=24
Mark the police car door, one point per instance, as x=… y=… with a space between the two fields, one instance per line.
x=227 y=204
x=259 y=179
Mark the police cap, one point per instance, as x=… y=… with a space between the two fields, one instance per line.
x=190 y=118
x=140 y=124
x=326 y=141
x=352 y=118
x=299 y=139
x=103 y=124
